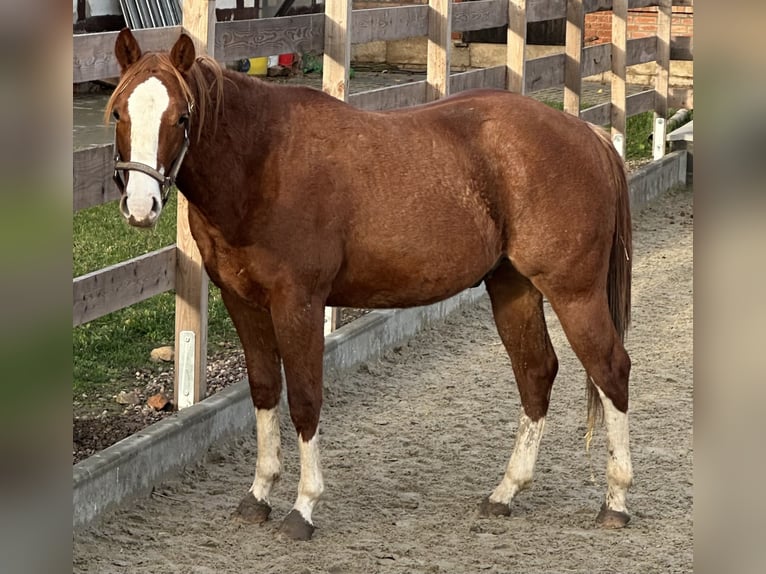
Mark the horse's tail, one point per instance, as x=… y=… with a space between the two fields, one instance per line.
x=620 y=263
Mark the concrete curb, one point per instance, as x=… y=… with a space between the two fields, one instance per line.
x=132 y=466
x=654 y=179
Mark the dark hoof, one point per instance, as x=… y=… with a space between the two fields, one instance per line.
x=252 y=510
x=608 y=518
x=294 y=526
x=488 y=508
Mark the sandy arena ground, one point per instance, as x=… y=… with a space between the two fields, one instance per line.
x=411 y=443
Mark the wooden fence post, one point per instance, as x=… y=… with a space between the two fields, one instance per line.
x=336 y=68
x=573 y=58
x=191 y=280
x=662 y=80
x=517 y=43
x=439 y=49
x=619 y=55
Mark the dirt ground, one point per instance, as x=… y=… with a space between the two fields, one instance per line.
x=411 y=443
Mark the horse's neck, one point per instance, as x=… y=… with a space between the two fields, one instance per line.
x=211 y=174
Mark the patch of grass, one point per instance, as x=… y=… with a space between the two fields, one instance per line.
x=109 y=350
x=637 y=130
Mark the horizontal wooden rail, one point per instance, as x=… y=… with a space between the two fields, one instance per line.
x=635 y=104
x=94 y=53
x=118 y=286
x=92 y=176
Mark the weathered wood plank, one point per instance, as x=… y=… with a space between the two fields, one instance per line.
x=269 y=36
x=544 y=72
x=635 y=104
x=390 y=97
x=191 y=279
x=641 y=51
x=479 y=15
x=484 y=78
x=113 y=288
x=92 y=177
x=439 y=48
x=336 y=62
x=640 y=102
x=573 y=56
x=516 y=60
x=93 y=54
x=596 y=59
x=662 y=47
x=336 y=67
x=619 y=54
x=541 y=10
x=394 y=23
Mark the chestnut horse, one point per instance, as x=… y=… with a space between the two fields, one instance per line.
x=298 y=200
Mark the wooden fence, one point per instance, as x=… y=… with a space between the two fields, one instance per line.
x=332 y=33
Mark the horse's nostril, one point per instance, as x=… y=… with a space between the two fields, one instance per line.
x=124 y=206
x=155 y=207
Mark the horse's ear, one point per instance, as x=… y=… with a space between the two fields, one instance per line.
x=182 y=55
x=126 y=49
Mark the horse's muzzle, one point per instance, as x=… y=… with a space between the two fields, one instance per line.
x=147 y=221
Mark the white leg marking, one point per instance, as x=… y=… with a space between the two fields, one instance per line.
x=311 y=485
x=521 y=466
x=269 y=461
x=146 y=105
x=619 y=470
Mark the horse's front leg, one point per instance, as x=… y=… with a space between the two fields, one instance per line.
x=256 y=332
x=298 y=323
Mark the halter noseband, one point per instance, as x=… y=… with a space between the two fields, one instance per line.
x=165 y=181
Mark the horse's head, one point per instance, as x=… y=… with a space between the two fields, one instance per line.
x=151 y=106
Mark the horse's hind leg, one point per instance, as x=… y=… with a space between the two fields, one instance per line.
x=589 y=327
x=256 y=333
x=518 y=311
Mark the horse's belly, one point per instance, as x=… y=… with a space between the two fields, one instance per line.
x=407 y=281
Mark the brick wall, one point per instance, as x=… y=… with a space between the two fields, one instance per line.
x=642 y=22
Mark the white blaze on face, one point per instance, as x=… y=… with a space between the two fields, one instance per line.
x=146 y=105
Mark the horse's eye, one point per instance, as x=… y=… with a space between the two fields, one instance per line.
x=116 y=115
x=183 y=120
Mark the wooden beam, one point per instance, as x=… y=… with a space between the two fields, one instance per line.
x=410 y=94
x=479 y=15
x=635 y=104
x=92 y=177
x=573 y=56
x=395 y=23
x=191 y=278
x=662 y=80
x=541 y=10
x=439 y=49
x=482 y=78
x=336 y=64
x=516 y=59
x=544 y=72
x=93 y=54
x=336 y=68
x=619 y=50
x=269 y=36
x=118 y=286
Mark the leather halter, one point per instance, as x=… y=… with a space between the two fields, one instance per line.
x=165 y=181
